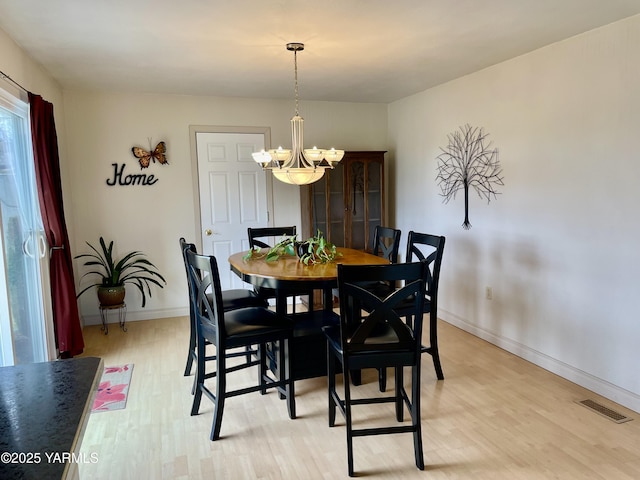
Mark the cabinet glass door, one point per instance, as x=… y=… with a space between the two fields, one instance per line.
x=374 y=200
x=328 y=206
x=357 y=204
x=319 y=207
x=365 y=202
x=336 y=206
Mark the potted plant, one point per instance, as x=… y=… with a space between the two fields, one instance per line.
x=113 y=274
x=316 y=249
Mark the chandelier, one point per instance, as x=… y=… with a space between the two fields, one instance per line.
x=298 y=166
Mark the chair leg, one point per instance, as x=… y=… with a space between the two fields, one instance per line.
x=192 y=356
x=199 y=377
x=415 y=416
x=285 y=373
x=347 y=411
x=433 y=338
x=262 y=367
x=331 y=378
x=192 y=350
x=187 y=368
x=356 y=377
x=194 y=387
x=436 y=363
x=220 y=396
x=399 y=385
x=382 y=379
x=280 y=367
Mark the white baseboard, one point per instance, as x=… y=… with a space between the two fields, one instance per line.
x=148 y=314
x=601 y=387
x=145 y=314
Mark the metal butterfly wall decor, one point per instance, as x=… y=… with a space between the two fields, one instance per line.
x=145 y=157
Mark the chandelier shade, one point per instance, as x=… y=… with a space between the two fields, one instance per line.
x=298 y=166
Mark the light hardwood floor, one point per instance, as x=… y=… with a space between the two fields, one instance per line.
x=495 y=416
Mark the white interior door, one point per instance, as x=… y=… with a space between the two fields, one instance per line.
x=233 y=195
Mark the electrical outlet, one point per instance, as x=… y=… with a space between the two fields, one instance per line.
x=489 y=293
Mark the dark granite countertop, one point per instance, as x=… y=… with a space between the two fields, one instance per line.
x=44 y=408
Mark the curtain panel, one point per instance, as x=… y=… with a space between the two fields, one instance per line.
x=47 y=162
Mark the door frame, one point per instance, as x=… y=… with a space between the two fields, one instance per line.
x=195 y=129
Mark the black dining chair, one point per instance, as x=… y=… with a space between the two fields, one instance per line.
x=429 y=249
x=372 y=334
x=258 y=237
x=231 y=299
x=386 y=244
x=240 y=327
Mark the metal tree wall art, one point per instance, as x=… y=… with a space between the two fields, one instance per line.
x=469 y=161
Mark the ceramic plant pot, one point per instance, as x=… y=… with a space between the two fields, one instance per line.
x=302 y=248
x=110 y=296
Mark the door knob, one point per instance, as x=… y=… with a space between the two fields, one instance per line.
x=208 y=232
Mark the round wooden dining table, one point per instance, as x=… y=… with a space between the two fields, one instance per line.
x=288 y=276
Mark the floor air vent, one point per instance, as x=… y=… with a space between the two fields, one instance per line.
x=605 y=411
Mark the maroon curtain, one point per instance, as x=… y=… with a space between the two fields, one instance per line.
x=63 y=296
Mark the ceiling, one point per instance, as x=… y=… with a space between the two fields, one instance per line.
x=356 y=50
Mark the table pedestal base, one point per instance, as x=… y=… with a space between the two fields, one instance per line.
x=309 y=349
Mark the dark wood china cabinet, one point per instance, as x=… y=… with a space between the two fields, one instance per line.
x=348 y=202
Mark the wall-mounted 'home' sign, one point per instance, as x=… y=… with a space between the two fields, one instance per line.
x=119 y=178
x=144 y=157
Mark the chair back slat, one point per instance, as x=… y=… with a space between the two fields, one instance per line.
x=255 y=234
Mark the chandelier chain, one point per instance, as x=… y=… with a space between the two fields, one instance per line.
x=295 y=69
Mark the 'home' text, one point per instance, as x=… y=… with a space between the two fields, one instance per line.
x=119 y=178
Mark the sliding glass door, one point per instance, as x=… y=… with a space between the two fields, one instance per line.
x=24 y=307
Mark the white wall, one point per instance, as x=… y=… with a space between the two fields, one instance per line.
x=22 y=69
x=27 y=73
x=102 y=127
x=559 y=245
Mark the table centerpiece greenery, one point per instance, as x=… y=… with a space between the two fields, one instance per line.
x=313 y=250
